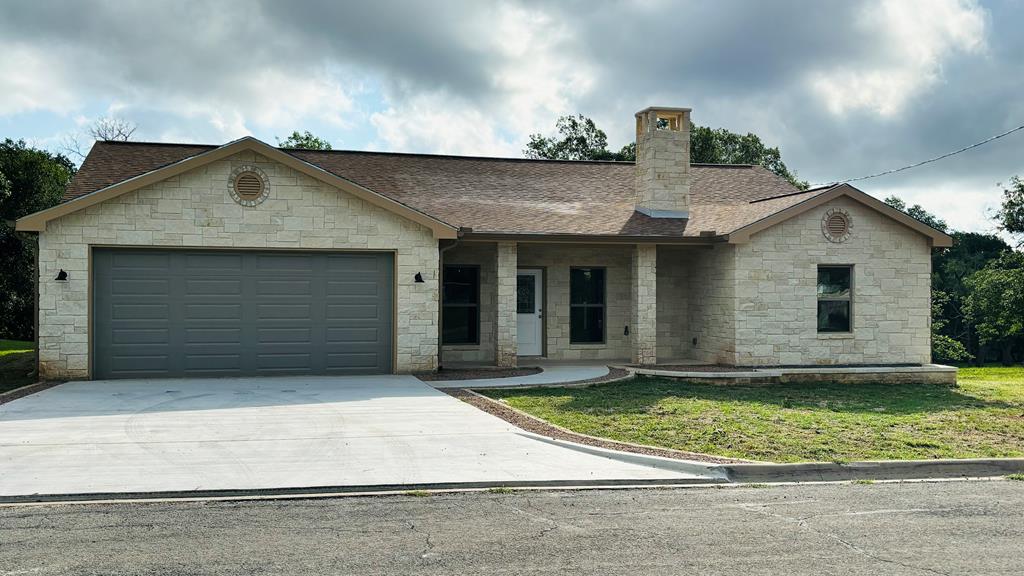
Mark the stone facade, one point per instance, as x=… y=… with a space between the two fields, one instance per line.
x=505 y=309
x=195 y=209
x=663 y=163
x=675 y=265
x=711 y=306
x=556 y=259
x=644 y=301
x=776 y=292
x=485 y=257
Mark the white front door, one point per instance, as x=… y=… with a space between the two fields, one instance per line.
x=529 y=312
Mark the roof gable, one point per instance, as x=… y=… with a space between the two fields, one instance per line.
x=199 y=157
x=938 y=238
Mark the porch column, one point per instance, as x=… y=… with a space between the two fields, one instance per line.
x=505 y=324
x=643 y=332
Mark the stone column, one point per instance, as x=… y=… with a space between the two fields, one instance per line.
x=505 y=324
x=643 y=331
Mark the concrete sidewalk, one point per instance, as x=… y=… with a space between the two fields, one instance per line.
x=259 y=433
x=551 y=374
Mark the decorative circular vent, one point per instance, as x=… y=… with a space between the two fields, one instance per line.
x=836 y=225
x=248 y=185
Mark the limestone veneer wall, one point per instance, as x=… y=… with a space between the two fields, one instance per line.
x=711 y=306
x=556 y=259
x=484 y=256
x=195 y=210
x=776 y=292
x=674 y=270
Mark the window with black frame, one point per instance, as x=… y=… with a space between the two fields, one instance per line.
x=460 y=311
x=586 y=305
x=835 y=299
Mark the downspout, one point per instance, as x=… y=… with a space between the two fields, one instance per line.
x=440 y=292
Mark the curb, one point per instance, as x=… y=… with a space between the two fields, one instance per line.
x=329 y=491
x=874 y=470
x=707 y=473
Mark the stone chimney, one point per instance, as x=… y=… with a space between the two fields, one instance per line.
x=663 y=162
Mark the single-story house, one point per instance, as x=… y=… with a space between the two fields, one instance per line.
x=170 y=260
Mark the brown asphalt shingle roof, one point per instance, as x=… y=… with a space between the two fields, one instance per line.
x=497 y=195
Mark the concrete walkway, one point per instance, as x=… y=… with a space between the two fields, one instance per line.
x=257 y=433
x=552 y=374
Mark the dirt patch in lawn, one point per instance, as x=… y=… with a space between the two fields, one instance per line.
x=537 y=426
x=476 y=373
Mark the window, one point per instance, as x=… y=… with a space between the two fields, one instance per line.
x=835 y=298
x=460 y=314
x=586 y=305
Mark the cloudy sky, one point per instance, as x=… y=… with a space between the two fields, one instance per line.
x=844 y=88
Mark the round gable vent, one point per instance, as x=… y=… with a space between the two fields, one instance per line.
x=836 y=225
x=248 y=185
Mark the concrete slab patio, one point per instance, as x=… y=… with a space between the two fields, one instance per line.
x=263 y=433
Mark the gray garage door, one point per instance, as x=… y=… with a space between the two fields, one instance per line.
x=171 y=313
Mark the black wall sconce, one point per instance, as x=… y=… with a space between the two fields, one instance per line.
x=626 y=331
x=419 y=278
x=62 y=276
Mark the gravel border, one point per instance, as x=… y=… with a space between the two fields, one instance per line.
x=476 y=373
x=533 y=424
x=26 y=390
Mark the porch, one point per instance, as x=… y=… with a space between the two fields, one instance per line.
x=509 y=303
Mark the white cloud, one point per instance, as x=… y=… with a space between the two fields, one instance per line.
x=912 y=38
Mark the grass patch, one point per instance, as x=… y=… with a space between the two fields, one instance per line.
x=1018 y=477
x=982 y=417
x=15 y=346
x=17 y=364
x=417 y=493
x=864 y=481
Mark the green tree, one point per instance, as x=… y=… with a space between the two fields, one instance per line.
x=305 y=141
x=1011 y=214
x=996 y=303
x=916 y=211
x=720 y=146
x=944 y=347
x=30 y=180
x=578 y=138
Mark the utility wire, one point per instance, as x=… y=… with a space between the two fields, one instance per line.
x=928 y=161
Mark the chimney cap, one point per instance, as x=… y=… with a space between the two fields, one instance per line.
x=661 y=109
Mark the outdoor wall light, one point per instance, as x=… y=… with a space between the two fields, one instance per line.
x=419 y=278
x=62 y=276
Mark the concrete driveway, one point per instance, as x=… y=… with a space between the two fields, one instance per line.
x=252 y=433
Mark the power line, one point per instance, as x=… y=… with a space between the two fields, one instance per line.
x=930 y=160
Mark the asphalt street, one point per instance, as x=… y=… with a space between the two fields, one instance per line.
x=910 y=528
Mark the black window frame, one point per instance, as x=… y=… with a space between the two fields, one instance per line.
x=603 y=305
x=475 y=304
x=848 y=299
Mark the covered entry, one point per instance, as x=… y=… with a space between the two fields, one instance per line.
x=174 y=313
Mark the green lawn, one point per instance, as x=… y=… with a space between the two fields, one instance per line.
x=17 y=364
x=982 y=417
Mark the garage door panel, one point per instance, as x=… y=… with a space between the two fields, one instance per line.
x=351 y=361
x=213 y=262
x=284 y=288
x=214 y=287
x=176 y=313
x=141 y=336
